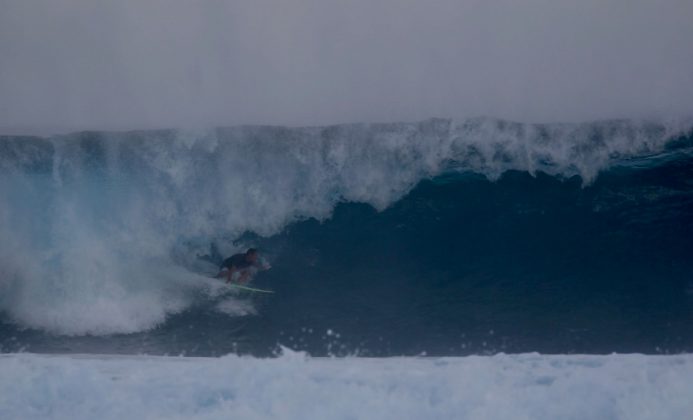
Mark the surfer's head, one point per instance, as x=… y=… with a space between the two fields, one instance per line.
x=251 y=255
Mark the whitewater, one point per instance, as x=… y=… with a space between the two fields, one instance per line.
x=294 y=386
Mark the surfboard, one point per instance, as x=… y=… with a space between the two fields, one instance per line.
x=248 y=289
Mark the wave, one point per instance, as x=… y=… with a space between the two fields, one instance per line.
x=102 y=230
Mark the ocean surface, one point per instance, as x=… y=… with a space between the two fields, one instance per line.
x=437 y=238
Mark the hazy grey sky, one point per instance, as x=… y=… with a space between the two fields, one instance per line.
x=127 y=64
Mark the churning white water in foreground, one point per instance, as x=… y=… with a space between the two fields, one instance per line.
x=295 y=386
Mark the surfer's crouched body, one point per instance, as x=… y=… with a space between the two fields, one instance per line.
x=243 y=264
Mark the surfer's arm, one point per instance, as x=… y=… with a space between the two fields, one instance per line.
x=229 y=273
x=243 y=279
x=262 y=265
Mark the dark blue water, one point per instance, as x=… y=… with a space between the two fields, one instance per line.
x=458 y=265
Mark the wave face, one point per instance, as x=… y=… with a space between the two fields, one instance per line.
x=440 y=236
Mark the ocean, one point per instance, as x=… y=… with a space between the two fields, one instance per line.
x=479 y=247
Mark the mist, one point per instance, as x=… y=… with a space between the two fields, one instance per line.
x=72 y=64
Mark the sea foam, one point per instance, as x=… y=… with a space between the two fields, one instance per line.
x=294 y=386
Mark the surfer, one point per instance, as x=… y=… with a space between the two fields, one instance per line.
x=245 y=264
